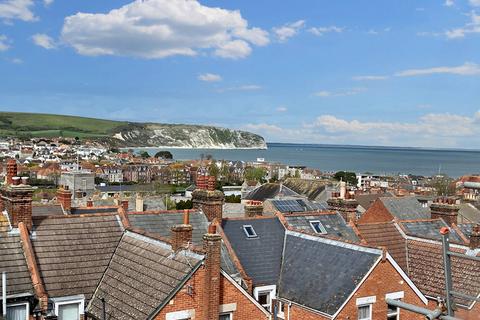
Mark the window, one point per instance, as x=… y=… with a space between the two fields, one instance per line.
x=70 y=311
x=17 y=311
x=318 y=227
x=393 y=313
x=281 y=310
x=249 y=231
x=226 y=316
x=365 y=312
x=264 y=299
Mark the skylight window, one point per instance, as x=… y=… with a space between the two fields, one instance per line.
x=249 y=231
x=318 y=227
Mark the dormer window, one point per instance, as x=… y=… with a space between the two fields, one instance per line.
x=249 y=231
x=318 y=227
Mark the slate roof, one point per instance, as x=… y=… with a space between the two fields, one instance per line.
x=405 y=208
x=426 y=269
x=298 y=205
x=367 y=199
x=466 y=228
x=333 y=223
x=73 y=252
x=429 y=229
x=469 y=212
x=12 y=261
x=92 y=210
x=46 y=210
x=260 y=256
x=140 y=277
x=387 y=235
x=312 y=189
x=321 y=273
x=270 y=191
x=160 y=223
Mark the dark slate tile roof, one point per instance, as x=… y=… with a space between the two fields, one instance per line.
x=92 y=210
x=141 y=275
x=161 y=223
x=270 y=191
x=387 y=235
x=425 y=263
x=260 y=256
x=310 y=188
x=429 y=229
x=298 y=205
x=405 y=208
x=321 y=273
x=73 y=251
x=47 y=210
x=333 y=223
x=466 y=228
x=12 y=261
x=366 y=200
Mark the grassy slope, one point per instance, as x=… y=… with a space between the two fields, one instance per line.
x=35 y=124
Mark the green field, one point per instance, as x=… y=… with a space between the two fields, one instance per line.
x=49 y=125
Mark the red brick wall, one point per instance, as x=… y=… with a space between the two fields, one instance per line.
x=246 y=310
x=384 y=279
x=376 y=213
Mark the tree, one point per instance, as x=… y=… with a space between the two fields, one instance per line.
x=184 y=204
x=257 y=174
x=213 y=169
x=164 y=155
x=348 y=177
x=144 y=154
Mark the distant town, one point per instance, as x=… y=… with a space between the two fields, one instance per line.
x=79 y=218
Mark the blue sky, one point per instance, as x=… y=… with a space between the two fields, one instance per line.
x=403 y=73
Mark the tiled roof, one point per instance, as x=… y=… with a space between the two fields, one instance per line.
x=270 y=191
x=405 y=208
x=310 y=188
x=298 y=205
x=429 y=229
x=426 y=270
x=94 y=210
x=385 y=234
x=141 y=275
x=466 y=228
x=333 y=223
x=47 y=210
x=73 y=251
x=12 y=261
x=321 y=273
x=366 y=200
x=259 y=256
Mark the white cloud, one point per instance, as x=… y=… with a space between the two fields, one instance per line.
x=288 y=30
x=449 y=3
x=474 y=3
x=320 y=31
x=349 y=92
x=46 y=3
x=282 y=109
x=4 y=46
x=16 y=61
x=426 y=131
x=467 y=69
x=209 y=77
x=161 y=28
x=369 y=78
x=17 y=10
x=472 y=27
x=245 y=87
x=44 y=41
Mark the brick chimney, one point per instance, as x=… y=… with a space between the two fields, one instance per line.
x=11 y=171
x=17 y=201
x=253 y=209
x=210 y=201
x=211 y=288
x=182 y=233
x=475 y=237
x=345 y=204
x=64 y=197
x=89 y=203
x=445 y=208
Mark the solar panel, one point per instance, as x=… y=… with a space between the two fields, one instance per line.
x=288 y=206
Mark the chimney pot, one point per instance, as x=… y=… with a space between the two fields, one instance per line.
x=125 y=205
x=89 y=203
x=186 y=217
x=16 y=181
x=25 y=180
x=212 y=229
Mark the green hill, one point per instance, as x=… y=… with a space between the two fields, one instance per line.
x=123 y=133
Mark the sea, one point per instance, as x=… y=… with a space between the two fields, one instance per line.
x=360 y=159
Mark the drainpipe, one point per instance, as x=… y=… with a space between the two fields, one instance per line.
x=4 y=294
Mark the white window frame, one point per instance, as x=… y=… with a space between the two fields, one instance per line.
x=370 y=307
x=366 y=302
x=227 y=313
x=253 y=230
x=180 y=315
x=395 y=296
x=272 y=290
x=21 y=304
x=80 y=300
x=320 y=225
x=280 y=313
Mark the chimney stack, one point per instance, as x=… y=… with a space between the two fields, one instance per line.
x=11 y=170
x=17 y=201
x=253 y=209
x=207 y=199
x=89 y=203
x=211 y=183
x=182 y=233
x=138 y=203
x=211 y=288
x=64 y=197
x=475 y=237
x=445 y=208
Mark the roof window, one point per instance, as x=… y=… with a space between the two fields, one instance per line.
x=249 y=231
x=318 y=227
